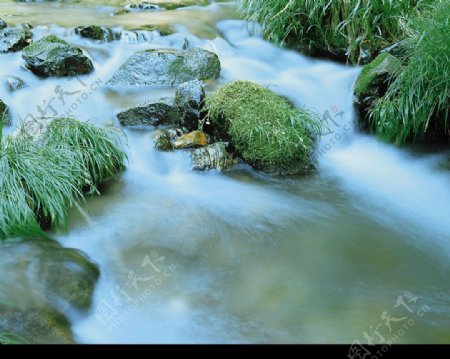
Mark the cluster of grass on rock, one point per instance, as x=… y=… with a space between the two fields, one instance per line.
x=416 y=105
x=264 y=128
x=358 y=29
x=42 y=178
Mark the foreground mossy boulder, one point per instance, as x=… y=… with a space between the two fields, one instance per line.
x=264 y=128
x=51 y=56
x=45 y=172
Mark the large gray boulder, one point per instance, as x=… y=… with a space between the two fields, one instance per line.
x=167 y=67
x=52 y=56
x=14 y=39
x=189 y=98
x=152 y=113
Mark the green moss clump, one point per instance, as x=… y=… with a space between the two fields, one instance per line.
x=263 y=127
x=43 y=177
x=384 y=64
x=41 y=45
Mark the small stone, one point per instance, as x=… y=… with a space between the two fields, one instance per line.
x=165 y=138
x=2 y=24
x=12 y=40
x=211 y=157
x=15 y=83
x=192 y=139
x=94 y=32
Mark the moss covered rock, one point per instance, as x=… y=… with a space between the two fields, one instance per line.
x=52 y=56
x=167 y=67
x=94 y=32
x=14 y=39
x=264 y=128
x=33 y=326
x=163 y=29
x=5 y=117
x=192 y=139
x=42 y=272
x=372 y=84
x=152 y=113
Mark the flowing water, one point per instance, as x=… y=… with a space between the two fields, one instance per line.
x=358 y=250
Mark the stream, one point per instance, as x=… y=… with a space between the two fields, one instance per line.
x=357 y=250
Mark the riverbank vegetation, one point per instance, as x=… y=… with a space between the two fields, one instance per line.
x=412 y=102
x=43 y=177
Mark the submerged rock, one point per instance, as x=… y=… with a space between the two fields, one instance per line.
x=34 y=326
x=43 y=272
x=13 y=39
x=52 y=56
x=5 y=116
x=163 y=29
x=158 y=5
x=150 y=114
x=214 y=156
x=192 y=139
x=2 y=24
x=189 y=98
x=143 y=6
x=94 y=32
x=167 y=67
x=15 y=83
x=373 y=83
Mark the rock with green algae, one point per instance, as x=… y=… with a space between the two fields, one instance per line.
x=5 y=116
x=14 y=39
x=163 y=29
x=51 y=56
x=41 y=271
x=34 y=325
x=264 y=128
x=372 y=84
x=94 y=32
x=190 y=140
x=167 y=67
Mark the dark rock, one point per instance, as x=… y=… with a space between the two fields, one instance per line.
x=13 y=39
x=189 y=99
x=42 y=272
x=5 y=116
x=143 y=6
x=95 y=32
x=167 y=67
x=154 y=113
x=373 y=83
x=214 y=156
x=15 y=83
x=52 y=56
x=2 y=24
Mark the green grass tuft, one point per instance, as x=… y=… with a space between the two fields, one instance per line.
x=42 y=179
x=263 y=127
x=417 y=101
x=360 y=28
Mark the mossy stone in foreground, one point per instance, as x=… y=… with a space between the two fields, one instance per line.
x=52 y=56
x=263 y=127
x=376 y=73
